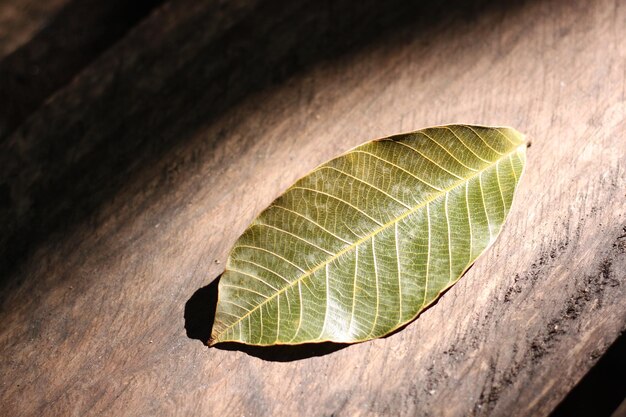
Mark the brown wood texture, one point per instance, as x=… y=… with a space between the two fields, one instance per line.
x=20 y=21
x=126 y=190
x=46 y=43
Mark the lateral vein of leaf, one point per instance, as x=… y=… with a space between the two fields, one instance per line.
x=338 y=199
x=236 y=305
x=238 y=271
x=364 y=182
x=505 y=136
x=312 y=221
x=301 y=311
x=262 y=267
x=377 y=290
x=288 y=303
x=230 y=314
x=260 y=322
x=327 y=302
x=369 y=236
x=447 y=151
x=278 y=318
x=463 y=143
x=246 y=289
x=482 y=196
x=271 y=253
x=356 y=270
x=292 y=234
x=397 y=166
x=395 y=229
x=500 y=189
x=424 y=156
x=469 y=221
x=519 y=158
x=427 y=257
x=484 y=141
x=512 y=168
x=449 y=239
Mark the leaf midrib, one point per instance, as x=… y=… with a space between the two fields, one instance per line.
x=374 y=233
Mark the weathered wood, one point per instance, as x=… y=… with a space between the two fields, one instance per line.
x=602 y=389
x=136 y=178
x=621 y=410
x=47 y=43
x=20 y=21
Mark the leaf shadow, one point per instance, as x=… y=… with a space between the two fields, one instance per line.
x=200 y=316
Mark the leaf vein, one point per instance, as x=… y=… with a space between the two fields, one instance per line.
x=382 y=227
x=399 y=167
x=423 y=156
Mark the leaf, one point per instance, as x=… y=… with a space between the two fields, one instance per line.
x=365 y=242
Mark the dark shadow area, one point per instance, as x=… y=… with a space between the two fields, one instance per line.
x=284 y=353
x=77 y=151
x=78 y=34
x=200 y=312
x=602 y=390
x=199 y=318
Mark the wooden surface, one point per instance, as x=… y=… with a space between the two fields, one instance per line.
x=43 y=44
x=19 y=21
x=122 y=195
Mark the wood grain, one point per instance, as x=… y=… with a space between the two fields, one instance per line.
x=129 y=184
x=44 y=44
x=20 y=21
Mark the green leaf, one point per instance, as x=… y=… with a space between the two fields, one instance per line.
x=365 y=242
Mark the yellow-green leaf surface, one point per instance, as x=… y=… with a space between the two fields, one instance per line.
x=365 y=242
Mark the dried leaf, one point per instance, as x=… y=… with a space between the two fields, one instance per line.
x=365 y=242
